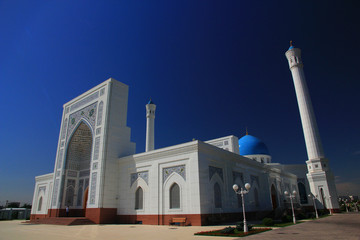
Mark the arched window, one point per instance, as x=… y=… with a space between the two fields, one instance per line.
x=217 y=196
x=256 y=197
x=175 y=196
x=40 y=204
x=302 y=193
x=273 y=196
x=139 y=198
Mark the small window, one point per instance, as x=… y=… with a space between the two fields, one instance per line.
x=40 y=204
x=139 y=198
x=316 y=165
x=226 y=142
x=175 y=196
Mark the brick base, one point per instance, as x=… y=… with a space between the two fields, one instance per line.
x=191 y=219
x=62 y=213
x=109 y=215
x=38 y=216
x=101 y=215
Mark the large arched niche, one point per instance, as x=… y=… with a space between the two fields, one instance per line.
x=77 y=168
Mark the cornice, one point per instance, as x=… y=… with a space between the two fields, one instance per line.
x=177 y=150
x=48 y=176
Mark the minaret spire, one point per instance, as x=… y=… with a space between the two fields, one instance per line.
x=320 y=177
x=150 y=126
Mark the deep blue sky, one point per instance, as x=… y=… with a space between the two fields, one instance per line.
x=212 y=67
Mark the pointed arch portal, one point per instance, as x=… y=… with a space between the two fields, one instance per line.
x=77 y=169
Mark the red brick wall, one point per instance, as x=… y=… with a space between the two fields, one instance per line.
x=109 y=215
x=191 y=219
x=101 y=215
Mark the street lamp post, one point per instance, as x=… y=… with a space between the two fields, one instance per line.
x=313 y=198
x=242 y=192
x=291 y=196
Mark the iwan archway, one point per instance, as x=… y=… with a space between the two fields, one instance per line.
x=77 y=170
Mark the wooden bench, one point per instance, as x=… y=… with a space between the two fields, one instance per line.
x=182 y=221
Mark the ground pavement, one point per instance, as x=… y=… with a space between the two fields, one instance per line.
x=339 y=226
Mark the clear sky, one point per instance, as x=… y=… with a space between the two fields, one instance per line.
x=213 y=68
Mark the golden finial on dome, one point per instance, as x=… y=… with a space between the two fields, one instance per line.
x=291 y=43
x=247 y=131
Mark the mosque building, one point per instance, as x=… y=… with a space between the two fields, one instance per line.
x=97 y=174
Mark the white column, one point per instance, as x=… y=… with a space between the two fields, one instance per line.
x=150 y=126
x=311 y=132
x=319 y=174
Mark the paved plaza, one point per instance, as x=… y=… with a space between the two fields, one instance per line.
x=339 y=226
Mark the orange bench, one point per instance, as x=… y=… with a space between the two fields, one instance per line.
x=182 y=221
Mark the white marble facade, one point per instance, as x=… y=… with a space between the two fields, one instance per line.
x=96 y=166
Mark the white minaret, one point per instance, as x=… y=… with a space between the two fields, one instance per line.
x=320 y=177
x=150 y=125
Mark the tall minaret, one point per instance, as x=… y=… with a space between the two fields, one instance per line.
x=150 y=121
x=320 y=177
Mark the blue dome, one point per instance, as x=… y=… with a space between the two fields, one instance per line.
x=249 y=145
x=150 y=101
x=291 y=47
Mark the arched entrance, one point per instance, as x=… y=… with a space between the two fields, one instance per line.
x=77 y=170
x=274 y=197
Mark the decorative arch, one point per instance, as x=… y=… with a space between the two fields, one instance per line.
x=214 y=200
x=139 y=183
x=174 y=178
x=77 y=164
